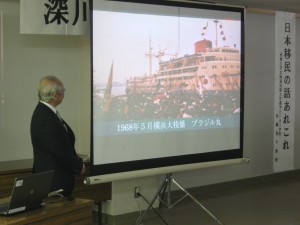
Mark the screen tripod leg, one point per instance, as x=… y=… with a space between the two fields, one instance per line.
x=167 y=184
x=163 y=185
x=197 y=202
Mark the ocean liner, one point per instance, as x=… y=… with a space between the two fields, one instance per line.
x=208 y=69
x=204 y=83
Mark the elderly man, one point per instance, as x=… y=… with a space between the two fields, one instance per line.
x=52 y=139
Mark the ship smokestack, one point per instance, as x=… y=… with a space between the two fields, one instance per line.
x=202 y=46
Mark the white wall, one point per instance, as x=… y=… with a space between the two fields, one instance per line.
x=29 y=57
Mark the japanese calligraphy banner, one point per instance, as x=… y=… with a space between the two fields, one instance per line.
x=64 y=17
x=1 y=74
x=284 y=98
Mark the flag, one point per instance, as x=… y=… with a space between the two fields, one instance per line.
x=204 y=30
x=107 y=93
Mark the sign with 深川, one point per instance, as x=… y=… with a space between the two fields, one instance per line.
x=64 y=17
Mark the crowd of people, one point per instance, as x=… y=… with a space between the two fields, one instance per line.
x=169 y=105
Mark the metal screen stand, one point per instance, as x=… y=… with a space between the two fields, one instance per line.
x=167 y=184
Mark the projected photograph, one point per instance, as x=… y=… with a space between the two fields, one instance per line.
x=167 y=84
x=170 y=71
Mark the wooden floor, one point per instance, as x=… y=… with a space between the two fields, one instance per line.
x=263 y=201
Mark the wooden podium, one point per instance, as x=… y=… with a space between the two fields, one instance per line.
x=75 y=212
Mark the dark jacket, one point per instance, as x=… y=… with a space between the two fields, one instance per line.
x=53 y=148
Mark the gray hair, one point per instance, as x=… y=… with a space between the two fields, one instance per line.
x=48 y=87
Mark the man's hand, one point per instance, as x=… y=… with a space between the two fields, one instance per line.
x=83 y=169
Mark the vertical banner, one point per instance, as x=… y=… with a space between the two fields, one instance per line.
x=1 y=75
x=284 y=98
x=67 y=17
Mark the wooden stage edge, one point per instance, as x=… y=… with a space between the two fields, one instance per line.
x=75 y=212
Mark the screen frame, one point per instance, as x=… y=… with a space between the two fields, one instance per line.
x=118 y=167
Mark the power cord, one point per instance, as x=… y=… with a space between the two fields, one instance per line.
x=140 y=208
x=54 y=198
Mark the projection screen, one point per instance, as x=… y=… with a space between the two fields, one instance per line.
x=167 y=84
